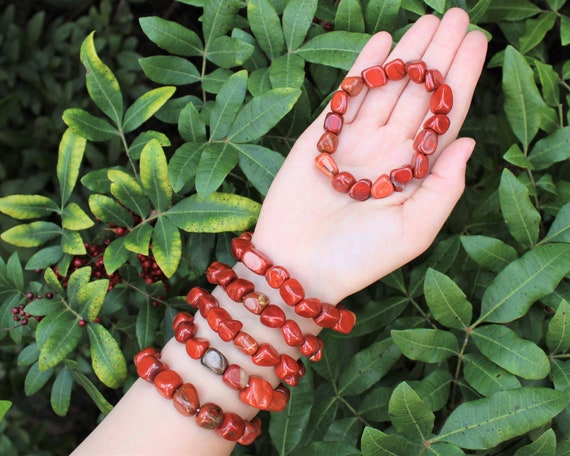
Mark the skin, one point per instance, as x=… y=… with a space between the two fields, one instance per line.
x=333 y=245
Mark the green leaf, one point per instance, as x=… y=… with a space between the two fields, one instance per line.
x=489 y=252
x=171 y=36
x=4 y=407
x=70 y=156
x=376 y=315
x=170 y=70
x=515 y=156
x=287 y=71
x=525 y=280
x=14 y=274
x=147 y=324
x=78 y=279
x=216 y=162
x=183 y=164
x=561 y=375
x=74 y=218
x=486 y=377
x=102 y=84
x=328 y=448
x=36 y=378
x=427 y=345
x=446 y=300
x=90 y=298
x=349 y=17
x=89 y=126
x=166 y=246
x=552 y=149
x=505 y=348
x=485 y=423
x=145 y=106
x=375 y=443
x=367 y=367
x=536 y=30
x=138 y=239
x=108 y=210
x=154 y=175
x=60 y=397
x=57 y=335
x=227 y=52
x=99 y=400
x=28 y=355
x=523 y=103
x=115 y=255
x=218 y=213
x=560 y=229
x=24 y=207
x=549 y=82
x=129 y=192
x=218 y=18
x=382 y=14
x=31 y=234
x=266 y=27
x=545 y=445
x=191 y=126
x=142 y=140
x=510 y=10
x=297 y=19
x=564 y=30
x=434 y=389
x=52 y=281
x=106 y=356
x=558 y=333
x=228 y=102
x=259 y=164
x=409 y=414
x=72 y=243
x=521 y=217
x=261 y=114
x=338 y=49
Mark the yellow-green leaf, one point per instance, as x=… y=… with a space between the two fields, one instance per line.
x=154 y=175
x=145 y=106
x=75 y=219
x=106 y=356
x=166 y=246
x=31 y=234
x=70 y=156
x=24 y=207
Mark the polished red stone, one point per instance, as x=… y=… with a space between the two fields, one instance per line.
x=343 y=181
x=185 y=399
x=425 y=142
x=276 y=275
x=255 y=302
x=249 y=434
x=180 y=317
x=416 y=71
x=196 y=347
x=292 y=334
x=226 y=277
x=339 y=102
x=235 y=377
x=420 y=164
x=308 y=307
x=287 y=367
x=184 y=330
x=239 y=245
x=272 y=316
x=213 y=269
x=346 y=321
x=237 y=289
x=257 y=393
x=247 y=235
x=256 y=261
x=266 y=355
x=209 y=416
x=401 y=176
x=194 y=295
x=328 y=317
x=215 y=361
x=438 y=123
x=291 y=380
x=441 y=101
x=278 y=401
x=328 y=142
x=433 y=80
x=317 y=355
x=333 y=122
x=361 y=189
x=149 y=351
x=206 y=303
x=291 y=292
x=374 y=76
x=246 y=343
x=395 y=69
x=232 y=427
x=217 y=315
x=311 y=345
x=382 y=187
x=148 y=368
x=167 y=382
x=326 y=164
x=352 y=85
x=301 y=368
x=229 y=329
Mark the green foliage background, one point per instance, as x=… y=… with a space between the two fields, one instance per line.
x=137 y=137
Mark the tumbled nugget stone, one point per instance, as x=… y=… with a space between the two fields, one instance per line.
x=395 y=69
x=426 y=142
x=209 y=416
x=374 y=76
x=214 y=361
x=352 y=85
x=185 y=399
x=441 y=101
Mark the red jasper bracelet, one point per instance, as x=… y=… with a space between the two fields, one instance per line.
x=184 y=396
x=424 y=144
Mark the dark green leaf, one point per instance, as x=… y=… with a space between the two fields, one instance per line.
x=154 y=175
x=536 y=30
x=227 y=52
x=142 y=140
x=88 y=126
x=375 y=443
x=558 y=333
x=32 y=234
x=170 y=70
x=333 y=448
x=374 y=405
x=510 y=10
x=171 y=36
x=36 y=378
x=228 y=103
x=297 y=19
x=191 y=126
x=549 y=82
x=409 y=414
x=218 y=18
x=99 y=400
x=147 y=323
x=486 y=377
x=338 y=49
x=552 y=149
x=378 y=315
x=382 y=14
x=60 y=397
x=115 y=255
x=183 y=164
x=564 y=30
x=349 y=17
x=489 y=252
x=24 y=207
x=129 y=192
x=287 y=71
x=28 y=355
x=216 y=162
x=266 y=27
x=259 y=164
x=560 y=229
x=166 y=246
x=427 y=345
x=145 y=106
x=515 y=156
x=545 y=445
x=434 y=389
x=70 y=156
x=446 y=300
x=106 y=356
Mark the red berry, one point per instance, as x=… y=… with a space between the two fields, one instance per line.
x=82 y=323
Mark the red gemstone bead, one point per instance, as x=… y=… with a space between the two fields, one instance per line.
x=328 y=142
x=438 y=123
x=433 y=80
x=441 y=101
x=401 y=176
x=308 y=308
x=213 y=270
x=255 y=261
x=291 y=380
x=326 y=164
x=426 y=142
x=333 y=122
x=317 y=356
x=276 y=275
x=217 y=315
x=374 y=76
x=184 y=330
x=382 y=187
x=167 y=382
x=186 y=400
x=346 y=321
x=237 y=289
x=257 y=393
x=395 y=69
x=292 y=334
x=246 y=343
x=149 y=351
x=215 y=361
x=421 y=165
x=343 y=181
x=194 y=295
x=352 y=85
x=278 y=401
x=232 y=427
x=272 y=316
x=246 y=235
x=196 y=347
x=249 y=434
x=148 y=368
x=291 y=292
x=265 y=355
x=416 y=71
x=328 y=317
x=239 y=245
x=301 y=368
x=255 y=302
x=360 y=191
x=235 y=377
x=180 y=317
x=287 y=366
x=227 y=330
x=311 y=345
x=209 y=416
x=206 y=303
x=339 y=102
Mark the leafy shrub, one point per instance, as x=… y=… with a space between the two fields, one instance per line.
x=464 y=350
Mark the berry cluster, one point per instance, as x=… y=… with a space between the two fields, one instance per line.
x=151 y=272
x=19 y=311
